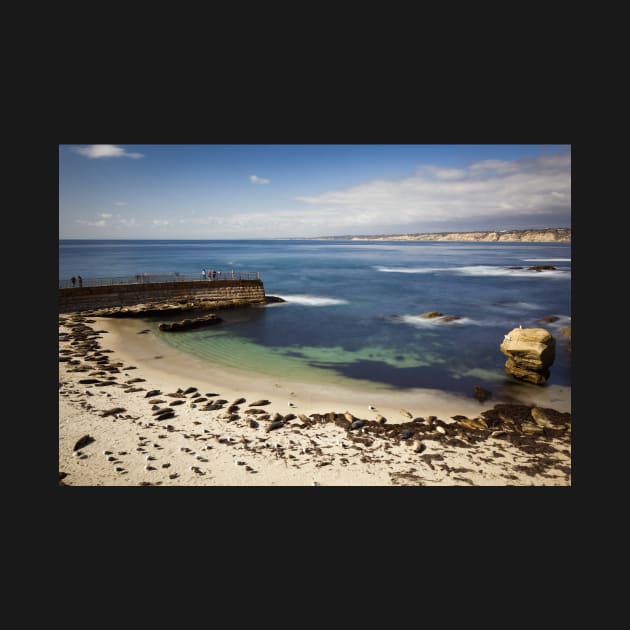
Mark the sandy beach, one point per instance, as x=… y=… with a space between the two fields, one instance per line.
x=131 y=375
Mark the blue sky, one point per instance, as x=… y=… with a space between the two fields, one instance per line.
x=278 y=191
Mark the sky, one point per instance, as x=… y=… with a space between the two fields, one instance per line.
x=195 y=191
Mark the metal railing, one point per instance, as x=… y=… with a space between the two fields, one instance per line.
x=147 y=278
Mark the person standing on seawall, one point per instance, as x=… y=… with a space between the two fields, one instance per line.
x=73 y=280
x=203 y=274
x=80 y=281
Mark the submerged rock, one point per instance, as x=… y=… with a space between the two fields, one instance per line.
x=480 y=393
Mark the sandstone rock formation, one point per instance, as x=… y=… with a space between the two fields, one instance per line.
x=530 y=353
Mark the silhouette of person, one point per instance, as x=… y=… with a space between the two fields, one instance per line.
x=73 y=280
x=80 y=281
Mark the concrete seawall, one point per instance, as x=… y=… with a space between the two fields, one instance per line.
x=108 y=296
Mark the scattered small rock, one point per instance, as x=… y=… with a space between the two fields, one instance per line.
x=83 y=441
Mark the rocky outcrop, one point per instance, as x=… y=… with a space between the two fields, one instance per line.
x=187 y=324
x=566 y=333
x=530 y=353
x=439 y=316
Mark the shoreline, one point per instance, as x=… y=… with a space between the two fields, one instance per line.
x=233 y=453
x=124 y=340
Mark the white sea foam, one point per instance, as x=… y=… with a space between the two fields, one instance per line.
x=312 y=300
x=490 y=270
x=480 y=270
x=431 y=322
x=517 y=306
x=413 y=269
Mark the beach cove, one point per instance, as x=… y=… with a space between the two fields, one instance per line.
x=199 y=447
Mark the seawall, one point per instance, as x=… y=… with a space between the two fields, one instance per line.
x=108 y=296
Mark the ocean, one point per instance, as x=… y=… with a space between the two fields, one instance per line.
x=352 y=311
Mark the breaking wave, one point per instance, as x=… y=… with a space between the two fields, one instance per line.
x=431 y=322
x=312 y=300
x=481 y=270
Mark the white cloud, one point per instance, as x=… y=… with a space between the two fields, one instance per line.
x=489 y=189
x=100 y=223
x=105 y=215
x=94 y=151
x=121 y=203
x=254 y=179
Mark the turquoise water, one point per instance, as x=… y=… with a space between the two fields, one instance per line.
x=353 y=307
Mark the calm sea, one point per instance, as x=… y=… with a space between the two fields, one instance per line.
x=353 y=307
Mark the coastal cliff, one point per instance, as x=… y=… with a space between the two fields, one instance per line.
x=548 y=235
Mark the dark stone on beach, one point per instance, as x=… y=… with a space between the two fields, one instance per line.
x=83 y=441
x=273 y=299
x=143 y=332
x=550 y=319
x=541 y=268
x=88 y=381
x=153 y=392
x=252 y=423
x=131 y=381
x=169 y=413
x=544 y=415
x=197 y=395
x=62 y=475
x=176 y=402
x=431 y=314
x=260 y=403
x=275 y=425
x=190 y=390
x=238 y=401
x=357 y=424
x=176 y=395
x=480 y=393
x=516 y=267
x=113 y=411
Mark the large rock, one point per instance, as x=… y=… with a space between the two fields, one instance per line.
x=530 y=353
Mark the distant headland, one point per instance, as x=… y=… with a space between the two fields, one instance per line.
x=547 y=235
